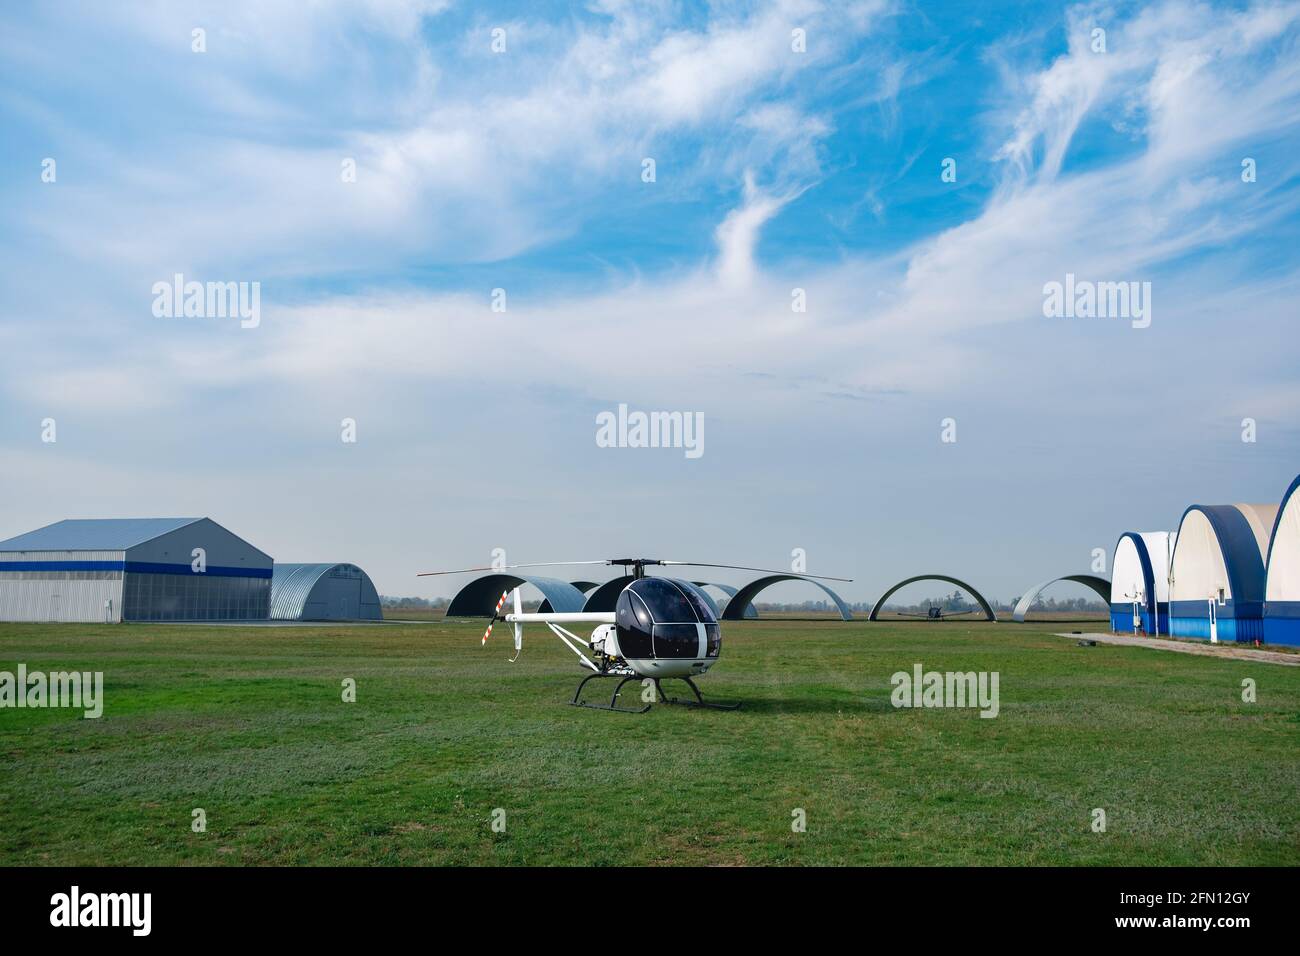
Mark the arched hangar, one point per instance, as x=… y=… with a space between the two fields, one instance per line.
x=1218 y=576
x=479 y=597
x=979 y=598
x=741 y=601
x=605 y=596
x=1140 y=581
x=1100 y=585
x=323 y=592
x=1282 y=590
x=729 y=592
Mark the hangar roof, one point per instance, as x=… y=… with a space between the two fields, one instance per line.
x=291 y=585
x=1140 y=563
x=94 y=534
x=1221 y=546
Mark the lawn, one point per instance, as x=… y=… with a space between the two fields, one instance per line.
x=248 y=723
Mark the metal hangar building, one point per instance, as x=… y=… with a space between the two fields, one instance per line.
x=323 y=592
x=133 y=569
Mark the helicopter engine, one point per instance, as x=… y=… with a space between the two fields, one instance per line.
x=604 y=643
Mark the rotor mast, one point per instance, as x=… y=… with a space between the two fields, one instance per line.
x=638 y=565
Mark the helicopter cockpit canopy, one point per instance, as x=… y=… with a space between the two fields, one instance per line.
x=664 y=618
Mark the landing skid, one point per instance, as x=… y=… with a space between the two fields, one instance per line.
x=698 y=702
x=613 y=698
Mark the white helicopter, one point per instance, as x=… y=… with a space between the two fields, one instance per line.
x=660 y=628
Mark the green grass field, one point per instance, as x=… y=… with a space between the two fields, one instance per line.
x=248 y=723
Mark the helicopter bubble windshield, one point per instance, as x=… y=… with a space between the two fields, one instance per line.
x=665 y=618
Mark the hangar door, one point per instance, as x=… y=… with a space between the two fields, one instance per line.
x=337 y=596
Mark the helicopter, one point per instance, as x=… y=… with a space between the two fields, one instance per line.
x=661 y=628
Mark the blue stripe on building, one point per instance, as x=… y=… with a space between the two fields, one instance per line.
x=1282 y=630
x=1240 y=621
x=134 y=567
x=1282 y=622
x=1121 y=618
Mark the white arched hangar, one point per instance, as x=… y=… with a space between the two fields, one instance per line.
x=1282 y=591
x=1217 y=578
x=1140 y=582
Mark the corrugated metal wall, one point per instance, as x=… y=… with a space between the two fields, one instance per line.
x=16 y=556
x=68 y=596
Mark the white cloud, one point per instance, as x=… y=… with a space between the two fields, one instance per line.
x=447 y=170
x=873 y=325
x=738 y=234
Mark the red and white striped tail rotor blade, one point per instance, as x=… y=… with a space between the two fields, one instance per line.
x=495 y=614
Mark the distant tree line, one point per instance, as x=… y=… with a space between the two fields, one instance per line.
x=1069 y=604
x=434 y=604
x=957 y=602
x=437 y=604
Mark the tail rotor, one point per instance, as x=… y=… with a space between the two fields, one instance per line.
x=496 y=614
x=519 y=628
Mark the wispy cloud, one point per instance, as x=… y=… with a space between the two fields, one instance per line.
x=478 y=172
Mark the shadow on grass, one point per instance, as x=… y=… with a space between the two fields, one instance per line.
x=807 y=705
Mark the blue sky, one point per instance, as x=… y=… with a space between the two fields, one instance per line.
x=775 y=169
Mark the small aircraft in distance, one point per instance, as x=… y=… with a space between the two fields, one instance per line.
x=936 y=612
x=660 y=628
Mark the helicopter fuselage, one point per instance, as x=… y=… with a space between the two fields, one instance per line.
x=660 y=627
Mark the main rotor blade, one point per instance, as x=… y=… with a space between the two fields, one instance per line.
x=648 y=562
x=509 y=567
x=741 y=567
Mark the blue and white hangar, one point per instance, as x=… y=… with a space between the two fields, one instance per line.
x=1216 y=586
x=1139 y=582
x=1282 y=590
x=105 y=570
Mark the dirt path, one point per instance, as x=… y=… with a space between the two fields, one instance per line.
x=1189 y=647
